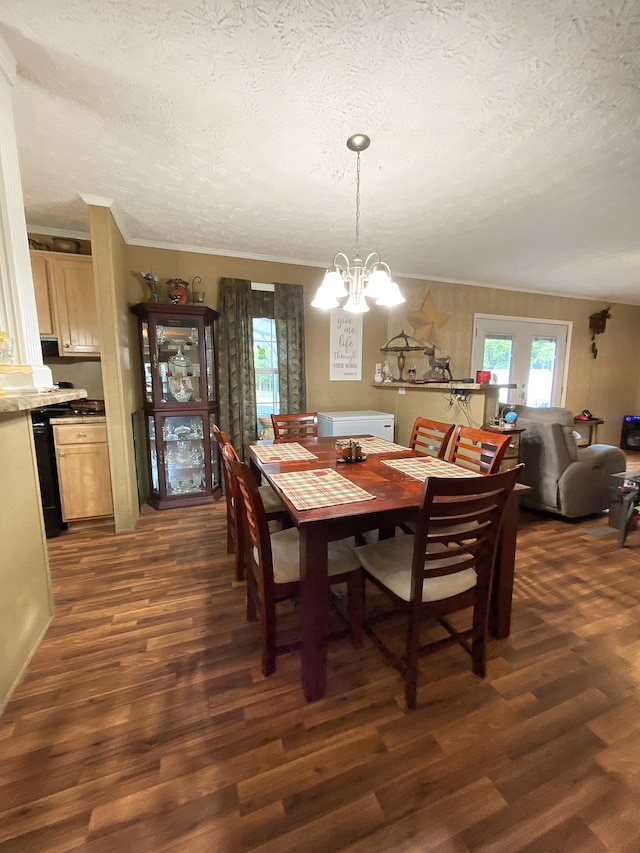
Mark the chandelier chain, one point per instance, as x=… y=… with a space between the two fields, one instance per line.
x=358 y=206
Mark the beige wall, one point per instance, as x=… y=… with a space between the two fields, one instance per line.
x=119 y=362
x=608 y=386
x=321 y=393
x=26 y=608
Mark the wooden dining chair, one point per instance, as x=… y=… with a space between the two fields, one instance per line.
x=273 y=567
x=478 y=449
x=293 y=427
x=430 y=437
x=446 y=567
x=274 y=508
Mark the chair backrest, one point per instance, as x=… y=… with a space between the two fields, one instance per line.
x=292 y=427
x=222 y=438
x=430 y=437
x=478 y=449
x=254 y=540
x=458 y=525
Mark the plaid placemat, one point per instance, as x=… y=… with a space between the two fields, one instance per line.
x=322 y=487
x=379 y=445
x=286 y=451
x=425 y=466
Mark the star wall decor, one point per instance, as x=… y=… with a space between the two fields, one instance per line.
x=427 y=322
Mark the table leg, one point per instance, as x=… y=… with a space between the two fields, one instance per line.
x=504 y=570
x=626 y=511
x=314 y=613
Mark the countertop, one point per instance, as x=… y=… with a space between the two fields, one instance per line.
x=79 y=419
x=442 y=386
x=23 y=403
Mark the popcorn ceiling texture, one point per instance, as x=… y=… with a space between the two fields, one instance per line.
x=504 y=132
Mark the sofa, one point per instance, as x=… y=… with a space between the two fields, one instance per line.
x=565 y=479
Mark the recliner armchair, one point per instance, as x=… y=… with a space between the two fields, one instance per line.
x=565 y=479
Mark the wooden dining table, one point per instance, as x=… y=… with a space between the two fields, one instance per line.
x=396 y=498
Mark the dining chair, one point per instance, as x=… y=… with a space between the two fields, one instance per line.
x=272 y=563
x=292 y=427
x=446 y=567
x=478 y=449
x=274 y=508
x=430 y=437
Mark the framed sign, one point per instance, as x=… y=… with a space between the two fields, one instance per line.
x=345 y=346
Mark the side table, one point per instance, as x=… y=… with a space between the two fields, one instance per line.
x=628 y=491
x=512 y=456
x=593 y=424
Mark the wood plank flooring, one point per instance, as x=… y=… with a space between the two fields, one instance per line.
x=144 y=724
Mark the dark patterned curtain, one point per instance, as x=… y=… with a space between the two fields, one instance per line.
x=288 y=309
x=236 y=374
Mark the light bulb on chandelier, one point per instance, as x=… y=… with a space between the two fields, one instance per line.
x=358 y=280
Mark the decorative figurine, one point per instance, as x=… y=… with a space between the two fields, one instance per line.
x=151 y=280
x=178 y=293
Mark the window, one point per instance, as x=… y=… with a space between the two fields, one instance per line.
x=265 y=360
x=525 y=352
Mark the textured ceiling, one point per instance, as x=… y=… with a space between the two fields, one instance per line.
x=504 y=132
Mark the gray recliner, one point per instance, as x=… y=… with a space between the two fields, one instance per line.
x=564 y=479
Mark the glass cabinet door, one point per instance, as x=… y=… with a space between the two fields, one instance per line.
x=183 y=458
x=178 y=359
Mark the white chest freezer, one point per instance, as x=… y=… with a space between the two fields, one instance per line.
x=380 y=424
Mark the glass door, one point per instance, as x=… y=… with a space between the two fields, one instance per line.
x=526 y=352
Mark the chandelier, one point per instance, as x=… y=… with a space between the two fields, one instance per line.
x=359 y=280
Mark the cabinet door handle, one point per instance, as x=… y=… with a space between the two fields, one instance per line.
x=82 y=435
x=61 y=453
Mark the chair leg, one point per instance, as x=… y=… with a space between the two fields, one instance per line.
x=252 y=592
x=411 y=662
x=240 y=573
x=355 y=606
x=268 y=630
x=479 y=654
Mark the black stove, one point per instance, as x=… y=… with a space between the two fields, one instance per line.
x=47 y=469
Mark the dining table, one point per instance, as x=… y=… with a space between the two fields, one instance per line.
x=330 y=499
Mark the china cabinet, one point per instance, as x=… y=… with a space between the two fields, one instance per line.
x=66 y=302
x=178 y=358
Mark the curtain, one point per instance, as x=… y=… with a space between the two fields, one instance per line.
x=288 y=308
x=236 y=375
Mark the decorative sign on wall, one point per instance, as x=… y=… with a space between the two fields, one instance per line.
x=345 y=346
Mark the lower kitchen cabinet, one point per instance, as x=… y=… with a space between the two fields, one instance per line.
x=82 y=459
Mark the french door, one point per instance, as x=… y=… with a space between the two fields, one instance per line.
x=528 y=353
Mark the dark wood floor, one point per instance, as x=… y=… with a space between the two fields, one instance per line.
x=144 y=724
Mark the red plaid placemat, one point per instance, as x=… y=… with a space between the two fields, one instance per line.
x=286 y=451
x=322 y=487
x=379 y=445
x=422 y=467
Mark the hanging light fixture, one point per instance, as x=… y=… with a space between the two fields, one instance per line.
x=357 y=279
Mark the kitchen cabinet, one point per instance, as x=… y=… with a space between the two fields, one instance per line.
x=179 y=380
x=84 y=475
x=66 y=302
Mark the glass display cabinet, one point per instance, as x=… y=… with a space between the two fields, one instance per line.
x=178 y=358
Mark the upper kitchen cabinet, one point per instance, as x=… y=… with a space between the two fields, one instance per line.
x=66 y=302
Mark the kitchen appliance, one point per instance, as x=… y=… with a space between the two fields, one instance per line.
x=379 y=424
x=87 y=407
x=47 y=469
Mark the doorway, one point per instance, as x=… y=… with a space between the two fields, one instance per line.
x=523 y=351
